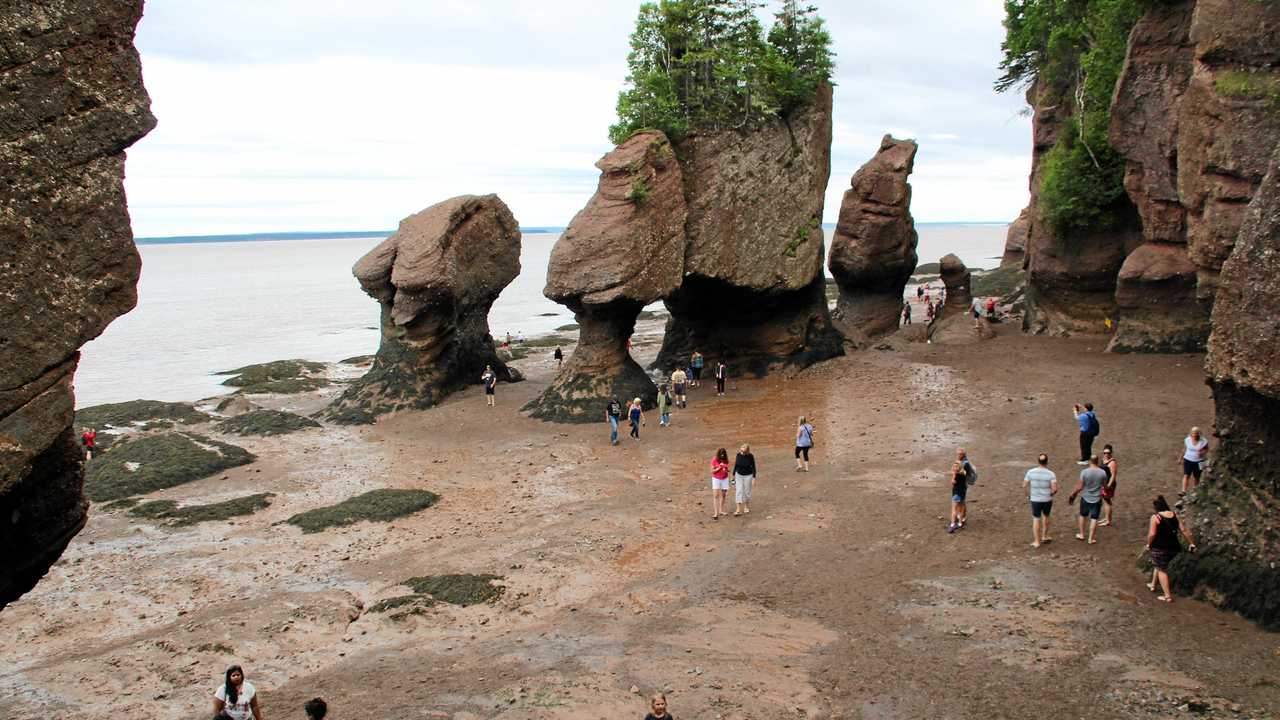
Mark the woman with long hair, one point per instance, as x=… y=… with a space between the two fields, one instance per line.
x=236 y=697
x=804 y=443
x=719 y=483
x=1162 y=541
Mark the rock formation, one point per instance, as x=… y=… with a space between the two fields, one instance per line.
x=753 y=289
x=873 y=251
x=1015 y=242
x=73 y=101
x=958 y=280
x=624 y=250
x=435 y=280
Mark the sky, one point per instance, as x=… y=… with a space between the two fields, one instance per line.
x=327 y=115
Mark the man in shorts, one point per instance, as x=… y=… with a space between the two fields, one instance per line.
x=1041 y=485
x=678 y=381
x=1092 y=478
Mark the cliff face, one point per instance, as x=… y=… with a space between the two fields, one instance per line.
x=753 y=289
x=73 y=101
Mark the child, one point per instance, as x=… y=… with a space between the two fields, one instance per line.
x=658 y=708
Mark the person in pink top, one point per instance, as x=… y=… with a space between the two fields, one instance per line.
x=719 y=483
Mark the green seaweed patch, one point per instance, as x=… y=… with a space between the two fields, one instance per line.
x=568 y=328
x=266 y=422
x=156 y=462
x=168 y=510
x=415 y=605
x=280 y=376
x=464 y=589
x=376 y=506
x=149 y=414
x=546 y=341
x=291 y=386
x=514 y=352
x=357 y=360
x=350 y=416
x=927 y=269
x=121 y=504
x=999 y=282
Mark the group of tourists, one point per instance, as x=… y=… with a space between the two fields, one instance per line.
x=932 y=304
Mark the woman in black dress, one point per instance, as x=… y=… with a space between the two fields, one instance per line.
x=1162 y=541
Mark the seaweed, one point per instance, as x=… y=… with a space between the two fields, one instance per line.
x=193 y=514
x=156 y=462
x=148 y=413
x=462 y=589
x=376 y=505
x=280 y=376
x=266 y=422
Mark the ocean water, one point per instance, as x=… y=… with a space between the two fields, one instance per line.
x=211 y=306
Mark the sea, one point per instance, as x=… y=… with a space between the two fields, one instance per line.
x=211 y=304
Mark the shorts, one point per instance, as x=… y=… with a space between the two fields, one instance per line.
x=958 y=493
x=488 y=391
x=1191 y=467
x=803 y=450
x=1162 y=558
x=742 y=493
x=719 y=483
x=1091 y=510
x=679 y=388
x=1108 y=492
x=1041 y=509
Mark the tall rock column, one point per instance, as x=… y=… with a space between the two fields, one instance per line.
x=73 y=101
x=435 y=280
x=873 y=251
x=753 y=291
x=624 y=250
x=958 y=282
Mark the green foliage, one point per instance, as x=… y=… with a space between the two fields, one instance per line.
x=376 y=505
x=1082 y=188
x=639 y=191
x=1241 y=85
x=266 y=422
x=708 y=65
x=193 y=514
x=156 y=462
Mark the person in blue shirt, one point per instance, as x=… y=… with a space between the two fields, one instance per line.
x=1088 y=423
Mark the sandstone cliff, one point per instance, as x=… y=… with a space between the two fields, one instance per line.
x=1015 y=243
x=73 y=101
x=873 y=250
x=435 y=280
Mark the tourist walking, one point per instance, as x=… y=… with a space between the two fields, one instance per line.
x=695 y=364
x=236 y=697
x=722 y=373
x=1193 y=454
x=1163 y=542
x=678 y=380
x=658 y=708
x=316 y=709
x=1111 y=468
x=490 y=380
x=1089 y=490
x=664 y=407
x=1087 y=421
x=719 y=483
x=613 y=415
x=906 y=313
x=1041 y=485
x=963 y=475
x=991 y=309
x=744 y=477
x=804 y=443
x=559 y=357
x=88 y=439
x=635 y=414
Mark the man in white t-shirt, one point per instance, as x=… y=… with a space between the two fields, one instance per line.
x=1041 y=485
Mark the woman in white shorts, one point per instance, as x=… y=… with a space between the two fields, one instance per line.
x=744 y=476
x=719 y=483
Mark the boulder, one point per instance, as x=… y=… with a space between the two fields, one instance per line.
x=957 y=279
x=624 y=250
x=1155 y=294
x=753 y=290
x=435 y=280
x=1015 y=242
x=873 y=251
x=73 y=101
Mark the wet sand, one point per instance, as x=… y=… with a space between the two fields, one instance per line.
x=840 y=596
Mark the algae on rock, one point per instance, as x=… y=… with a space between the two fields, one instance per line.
x=156 y=462
x=265 y=422
x=376 y=505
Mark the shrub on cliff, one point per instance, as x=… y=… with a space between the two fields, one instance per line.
x=708 y=65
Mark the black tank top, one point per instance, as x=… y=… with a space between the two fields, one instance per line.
x=1166 y=534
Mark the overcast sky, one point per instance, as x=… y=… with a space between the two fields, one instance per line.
x=303 y=115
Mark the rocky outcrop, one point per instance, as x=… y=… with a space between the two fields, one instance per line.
x=1015 y=242
x=958 y=281
x=73 y=101
x=1237 y=509
x=873 y=251
x=624 y=250
x=1156 y=296
x=753 y=290
x=435 y=280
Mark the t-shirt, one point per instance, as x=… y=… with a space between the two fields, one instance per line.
x=1195 y=450
x=721 y=370
x=678 y=377
x=241 y=709
x=490 y=380
x=614 y=409
x=804 y=437
x=744 y=464
x=1083 y=420
x=1093 y=479
x=1040 y=480
x=977 y=306
x=719 y=471
x=696 y=361
x=651 y=716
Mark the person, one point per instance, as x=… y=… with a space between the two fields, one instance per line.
x=919 y=291
x=236 y=697
x=678 y=380
x=664 y=407
x=1163 y=543
x=962 y=476
x=87 y=439
x=636 y=415
x=559 y=356
x=695 y=363
x=1194 y=447
x=722 y=373
x=1089 y=489
x=519 y=336
x=508 y=338
x=928 y=312
x=744 y=477
x=1111 y=468
x=804 y=443
x=490 y=380
x=719 y=483
x=658 y=708
x=612 y=415
x=991 y=309
x=1088 y=423
x=316 y=709
x=906 y=313
x=1041 y=485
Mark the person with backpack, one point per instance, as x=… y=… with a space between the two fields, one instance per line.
x=963 y=474
x=1164 y=545
x=1090 y=428
x=612 y=415
x=90 y=437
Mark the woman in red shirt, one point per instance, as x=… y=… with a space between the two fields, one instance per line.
x=87 y=439
x=719 y=483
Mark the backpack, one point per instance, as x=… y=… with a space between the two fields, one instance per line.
x=1095 y=427
x=970 y=473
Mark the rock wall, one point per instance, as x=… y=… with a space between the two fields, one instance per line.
x=73 y=101
x=873 y=250
x=753 y=291
x=624 y=250
x=1015 y=242
x=435 y=280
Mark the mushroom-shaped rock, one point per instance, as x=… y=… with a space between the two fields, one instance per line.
x=625 y=249
x=1155 y=292
x=957 y=278
x=435 y=280
x=873 y=251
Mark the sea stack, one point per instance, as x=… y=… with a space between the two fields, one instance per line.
x=624 y=250
x=753 y=292
x=873 y=251
x=435 y=280
x=73 y=102
x=957 y=279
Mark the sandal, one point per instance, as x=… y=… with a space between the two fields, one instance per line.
x=1151 y=587
x=1164 y=598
